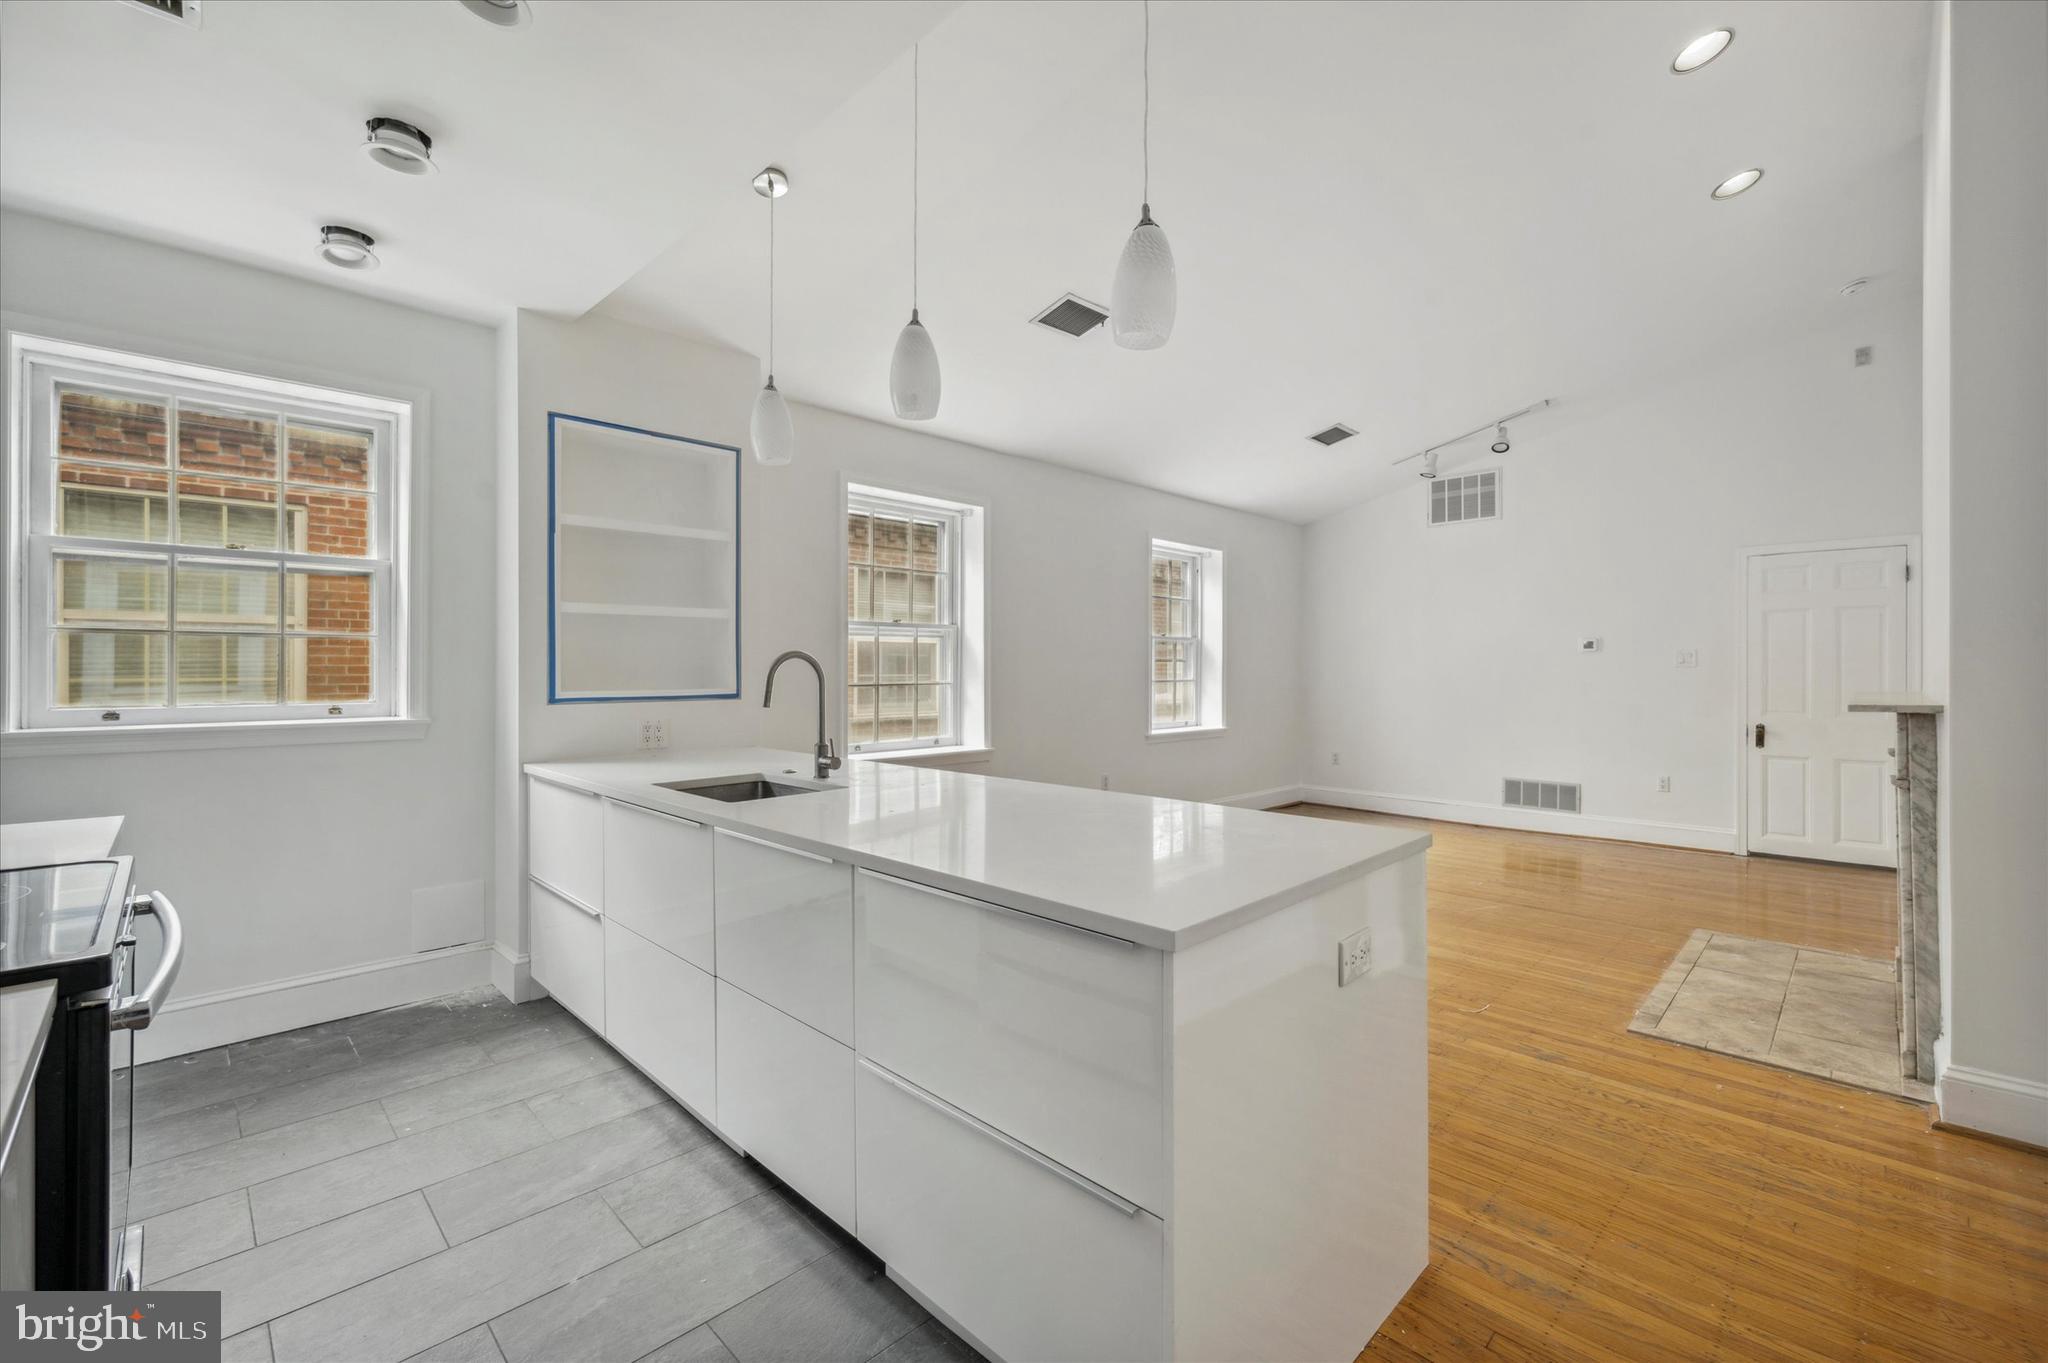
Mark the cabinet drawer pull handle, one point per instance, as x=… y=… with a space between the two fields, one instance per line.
x=571 y=900
x=974 y=903
x=1050 y=1165
x=653 y=813
x=763 y=842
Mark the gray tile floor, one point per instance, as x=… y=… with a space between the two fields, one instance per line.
x=478 y=1182
x=1822 y=1013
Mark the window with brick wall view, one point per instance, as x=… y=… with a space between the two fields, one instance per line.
x=1176 y=638
x=902 y=625
x=202 y=552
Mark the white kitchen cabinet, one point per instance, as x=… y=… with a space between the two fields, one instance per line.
x=1036 y=1261
x=785 y=1096
x=565 y=841
x=661 y=1013
x=657 y=879
x=568 y=952
x=785 y=930
x=1055 y=1034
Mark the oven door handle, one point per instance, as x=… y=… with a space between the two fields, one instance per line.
x=137 y=1011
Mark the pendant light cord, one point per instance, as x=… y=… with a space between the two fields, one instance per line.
x=1145 y=195
x=771 y=289
x=914 y=130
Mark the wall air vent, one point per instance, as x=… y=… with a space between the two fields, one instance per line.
x=1073 y=316
x=1336 y=433
x=1557 y=796
x=1465 y=497
x=184 y=12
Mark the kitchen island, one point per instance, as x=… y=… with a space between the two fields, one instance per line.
x=1096 y=1075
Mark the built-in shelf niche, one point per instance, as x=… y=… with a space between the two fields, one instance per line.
x=643 y=567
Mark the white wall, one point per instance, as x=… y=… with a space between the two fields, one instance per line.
x=1987 y=476
x=292 y=860
x=1440 y=660
x=1067 y=561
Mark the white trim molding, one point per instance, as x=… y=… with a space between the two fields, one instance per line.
x=1261 y=799
x=201 y=1021
x=512 y=974
x=1696 y=836
x=1995 y=1104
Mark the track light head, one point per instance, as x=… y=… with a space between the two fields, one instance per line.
x=1500 y=438
x=1429 y=463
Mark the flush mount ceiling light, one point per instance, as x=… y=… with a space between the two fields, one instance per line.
x=348 y=248
x=1143 y=297
x=1735 y=184
x=1702 y=50
x=400 y=146
x=914 y=368
x=499 y=13
x=1500 y=438
x=774 y=438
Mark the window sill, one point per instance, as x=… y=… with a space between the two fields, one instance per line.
x=918 y=757
x=178 y=737
x=1192 y=731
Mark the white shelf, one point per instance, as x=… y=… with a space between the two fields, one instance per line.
x=664 y=612
x=681 y=532
x=639 y=695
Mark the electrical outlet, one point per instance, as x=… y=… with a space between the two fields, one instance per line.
x=1663 y=785
x=654 y=733
x=1354 y=957
x=1333 y=760
x=1105 y=783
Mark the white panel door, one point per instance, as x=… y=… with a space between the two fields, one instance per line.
x=1824 y=627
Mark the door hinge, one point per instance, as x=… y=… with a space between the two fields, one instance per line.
x=1909 y=572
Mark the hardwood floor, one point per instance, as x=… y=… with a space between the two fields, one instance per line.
x=1601 y=1196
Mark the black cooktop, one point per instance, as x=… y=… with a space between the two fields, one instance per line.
x=62 y=922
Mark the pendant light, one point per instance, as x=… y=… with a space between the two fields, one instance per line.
x=774 y=438
x=1141 y=301
x=914 y=369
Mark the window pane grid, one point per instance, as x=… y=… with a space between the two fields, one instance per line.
x=1175 y=630
x=902 y=630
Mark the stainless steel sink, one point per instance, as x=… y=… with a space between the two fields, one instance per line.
x=734 y=789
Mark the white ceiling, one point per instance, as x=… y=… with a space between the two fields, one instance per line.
x=1406 y=217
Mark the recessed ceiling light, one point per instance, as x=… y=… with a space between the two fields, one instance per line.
x=1735 y=184
x=1702 y=50
x=348 y=248
x=503 y=13
x=400 y=146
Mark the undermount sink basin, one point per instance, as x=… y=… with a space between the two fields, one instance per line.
x=734 y=789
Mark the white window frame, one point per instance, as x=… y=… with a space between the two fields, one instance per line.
x=952 y=520
x=37 y=366
x=1204 y=637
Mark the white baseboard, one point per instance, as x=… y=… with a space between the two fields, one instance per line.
x=201 y=1021
x=512 y=975
x=1995 y=1104
x=1261 y=799
x=1532 y=820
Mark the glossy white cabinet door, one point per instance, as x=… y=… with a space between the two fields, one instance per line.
x=785 y=1096
x=1050 y=1033
x=568 y=952
x=1034 y=1264
x=565 y=841
x=785 y=930
x=657 y=879
x=661 y=1013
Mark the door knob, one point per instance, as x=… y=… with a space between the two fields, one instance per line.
x=1759 y=735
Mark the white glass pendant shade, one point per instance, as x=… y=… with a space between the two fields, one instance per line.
x=914 y=373
x=1144 y=295
x=774 y=438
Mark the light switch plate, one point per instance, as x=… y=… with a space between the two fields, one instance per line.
x=1354 y=957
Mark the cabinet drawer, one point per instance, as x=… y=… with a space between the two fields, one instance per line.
x=568 y=952
x=657 y=879
x=1031 y=1260
x=785 y=1096
x=661 y=1013
x=565 y=840
x=1053 y=1034
x=785 y=930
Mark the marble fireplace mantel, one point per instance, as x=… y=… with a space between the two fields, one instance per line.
x=1919 y=875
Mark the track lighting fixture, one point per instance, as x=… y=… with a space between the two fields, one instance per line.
x=773 y=436
x=1499 y=427
x=1500 y=437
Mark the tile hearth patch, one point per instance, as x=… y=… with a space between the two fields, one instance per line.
x=1818 y=1012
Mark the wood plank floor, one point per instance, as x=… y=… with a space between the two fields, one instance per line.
x=1601 y=1196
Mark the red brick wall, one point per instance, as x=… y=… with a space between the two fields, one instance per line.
x=213 y=450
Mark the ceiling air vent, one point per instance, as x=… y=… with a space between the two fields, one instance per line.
x=1073 y=316
x=1558 y=796
x=1465 y=497
x=1336 y=433
x=184 y=12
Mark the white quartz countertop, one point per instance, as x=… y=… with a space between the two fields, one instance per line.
x=1162 y=873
